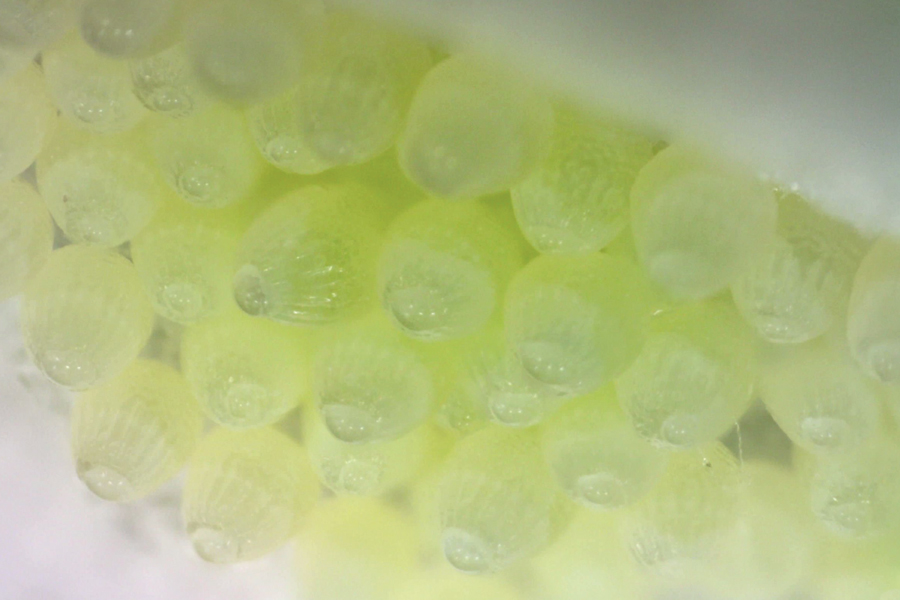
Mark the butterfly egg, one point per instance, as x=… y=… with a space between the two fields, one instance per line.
x=123 y=28
x=245 y=372
x=368 y=469
x=309 y=259
x=26 y=119
x=819 y=398
x=873 y=320
x=588 y=562
x=31 y=25
x=596 y=456
x=354 y=97
x=576 y=201
x=694 y=377
x=443 y=583
x=208 y=157
x=371 y=384
x=772 y=547
x=444 y=268
x=797 y=288
x=185 y=258
x=687 y=514
x=854 y=494
x=473 y=130
x=575 y=323
x=26 y=236
x=244 y=51
x=356 y=548
x=496 y=501
x=697 y=225
x=246 y=494
x=101 y=190
x=165 y=83
x=85 y=316
x=136 y=431
x=91 y=90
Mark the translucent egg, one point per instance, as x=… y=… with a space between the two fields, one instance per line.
x=278 y=130
x=310 y=258
x=576 y=201
x=595 y=454
x=575 y=323
x=445 y=584
x=246 y=494
x=208 y=157
x=799 y=287
x=697 y=225
x=133 y=433
x=245 y=372
x=873 y=321
x=26 y=236
x=694 y=377
x=444 y=269
x=473 y=130
x=101 y=190
x=122 y=28
x=356 y=548
x=368 y=469
x=354 y=98
x=371 y=384
x=91 y=90
x=688 y=514
x=854 y=494
x=244 y=51
x=26 y=119
x=165 y=83
x=85 y=316
x=185 y=258
x=496 y=501
x=819 y=398
x=35 y=24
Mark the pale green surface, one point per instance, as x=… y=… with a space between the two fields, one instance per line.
x=133 y=433
x=698 y=225
x=245 y=372
x=595 y=454
x=309 y=259
x=356 y=548
x=27 y=118
x=796 y=289
x=91 y=90
x=246 y=494
x=575 y=323
x=873 y=328
x=444 y=268
x=85 y=316
x=371 y=383
x=576 y=201
x=101 y=190
x=442 y=583
x=26 y=236
x=185 y=258
x=496 y=502
x=694 y=377
x=473 y=130
x=207 y=157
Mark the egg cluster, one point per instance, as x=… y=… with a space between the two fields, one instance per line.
x=426 y=313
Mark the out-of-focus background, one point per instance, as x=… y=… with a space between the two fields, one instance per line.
x=804 y=91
